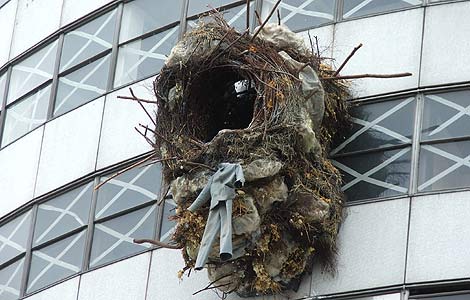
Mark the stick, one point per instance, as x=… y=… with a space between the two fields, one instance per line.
x=143 y=107
x=144 y=135
x=247 y=14
x=195 y=164
x=211 y=283
x=133 y=99
x=157 y=243
x=163 y=196
x=267 y=19
x=368 y=76
x=258 y=18
x=347 y=59
x=278 y=18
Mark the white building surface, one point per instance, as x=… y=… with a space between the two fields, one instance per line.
x=62 y=130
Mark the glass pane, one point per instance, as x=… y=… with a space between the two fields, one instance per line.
x=10 y=280
x=448 y=297
x=31 y=72
x=200 y=6
x=373 y=175
x=379 y=125
x=168 y=226
x=356 y=8
x=132 y=188
x=142 y=16
x=3 y=79
x=113 y=239
x=27 y=114
x=143 y=58
x=444 y=166
x=446 y=115
x=381 y=297
x=56 y=261
x=82 y=85
x=63 y=214
x=300 y=14
x=88 y=40
x=13 y=237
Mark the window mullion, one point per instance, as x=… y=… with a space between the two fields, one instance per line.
x=3 y=103
x=55 y=77
x=89 y=234
x=416 y=145
x=28 y=256
x=115 y=48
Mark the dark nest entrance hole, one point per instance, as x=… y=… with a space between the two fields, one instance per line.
x=220 y=98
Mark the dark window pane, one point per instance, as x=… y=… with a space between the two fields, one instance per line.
x=449 y=297
x=300 y=14
x=31 y=72
x=200 y=6
x=10 y=280
x=57 y=261
x=63 y=214
x=446 y=115
x=378 y=125
x=168 y=226
x=25 y=115
x=143 y=58
x=88 y=40
x=132 y=188
x=13 y=237
x=378 y=174
x=82 y=85
x=357 y=8
x=142 y=16
x=113 y=239
x=444 y=166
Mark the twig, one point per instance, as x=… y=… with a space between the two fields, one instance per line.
x=195 y=164
x=133 y=166
x=368 y=76
x=133 y=99
x=144 y=135
x=211 y=283
x=163 y=196
x=157 y=243
x=247 y=14
x=347 y=59
x=278 y=18
x=143 y=107
x=258 y=18
x=266 y=21
x=318 y=47
x=156 y=133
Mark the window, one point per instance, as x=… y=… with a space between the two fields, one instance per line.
x=357 y=8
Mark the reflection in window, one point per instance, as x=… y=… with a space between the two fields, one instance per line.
x=132 y=188
x=82 y=85
x=31 y=72
x=301 y=14
x=357 y=8
x=113 y=239
x=143 y=16
x=378 y=174
x=26 y=115
x=56 y=261
x=379 y=125
x=63 y=214
x=88 y=40
x=142 y=58
x=13 y=237
x=200 y=6
x=463 y=296
x=446 y=115
x=10 y=280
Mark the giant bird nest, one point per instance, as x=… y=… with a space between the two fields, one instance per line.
x=202 y=120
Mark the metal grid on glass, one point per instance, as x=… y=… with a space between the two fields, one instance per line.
x=82 y=228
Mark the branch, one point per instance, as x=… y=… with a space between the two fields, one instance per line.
x=195 y=164
x=278 y=18
x=267 y=19
x=134 y=99
x=247 y=14
x=258 y=18
x=347 y=59
x=368 y=76
x=157 y=243
x=143 y=107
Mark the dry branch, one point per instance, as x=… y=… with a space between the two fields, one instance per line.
x=347 y=59
x=397 y=75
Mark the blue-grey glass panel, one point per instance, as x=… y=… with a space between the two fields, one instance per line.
x=142 y=16
x=168 y=226
x=13 y=237
x=63 y=214
x=31 y=72
x=56 y=261
x=26 y=115
x=448 y=297
x=88 y=40
x=3 y=79
x=10 y=280
x=82 y=85
x=444 y=166
x=379 y=125
x=357 y=8
x=200 y=6
x=301 y=14
x=132 y=188
x=142 y=58
x=113 y=239
x=373 y=175
x=446 y=115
